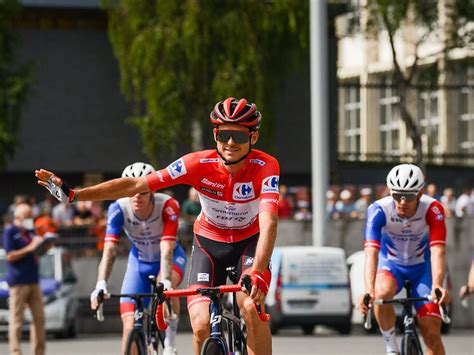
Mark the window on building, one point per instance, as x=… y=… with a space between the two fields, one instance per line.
x=466 y=115
x=429 y=120
x=351 y=109
x=389 y=115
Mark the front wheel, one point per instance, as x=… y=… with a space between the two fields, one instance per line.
x=135 y=343
x=410 y=346
x=212 y=347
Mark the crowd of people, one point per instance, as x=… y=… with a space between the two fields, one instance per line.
x=344 y=202
x=295 y=203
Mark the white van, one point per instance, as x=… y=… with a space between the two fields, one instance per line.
x=310 y=286
x=57 y=282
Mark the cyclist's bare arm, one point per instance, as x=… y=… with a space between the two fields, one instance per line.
x=105 y=268
x=166 y=264
x=268 y=223
x=370 y=268
x=438 y=267
x=370 y=272
x=108 y=190
x=107 y=262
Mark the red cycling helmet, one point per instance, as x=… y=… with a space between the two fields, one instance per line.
x=236 y=111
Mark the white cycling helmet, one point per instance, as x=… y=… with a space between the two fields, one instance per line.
x=405 y=178
x=137 y=170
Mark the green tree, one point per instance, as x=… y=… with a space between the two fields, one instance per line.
x=446 y=20
x=15 y=81
x=178 y=58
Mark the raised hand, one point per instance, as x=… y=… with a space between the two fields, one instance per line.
x=56 y=187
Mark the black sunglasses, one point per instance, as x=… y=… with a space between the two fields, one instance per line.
x=408 y=196
x=239 y=137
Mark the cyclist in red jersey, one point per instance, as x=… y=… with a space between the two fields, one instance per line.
x=238 y=191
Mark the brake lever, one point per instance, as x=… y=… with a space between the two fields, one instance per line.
x=442 y=307
x=99 y=312
x=368 y=316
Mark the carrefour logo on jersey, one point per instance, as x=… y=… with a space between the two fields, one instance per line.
x=270 y=184
x=243 y=191
x=176 y=169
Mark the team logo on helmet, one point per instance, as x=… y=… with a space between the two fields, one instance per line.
x=270 y=184
x=243 y=191
x=176 y=169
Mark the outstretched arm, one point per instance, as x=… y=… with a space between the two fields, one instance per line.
x=108 y=190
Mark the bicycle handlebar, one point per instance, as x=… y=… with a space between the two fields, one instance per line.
x=442 y=307
x=159 y=316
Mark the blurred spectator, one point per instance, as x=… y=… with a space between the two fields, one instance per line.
x=345 y=207
x=465 y=204
x=63 y=215
x=301 y=194
x=83 y=215
x=381 y=190
x=331 y=203
x=46 y=206
x=99 y=231
x=191 y=207
x=302 y=211
x=17 y=200
x=23 y=280
x=45 y=224
x=285 y=203
x=449 y=202
x=363 y=202
x=432 y=191
x=97 y=210
x=34 y=206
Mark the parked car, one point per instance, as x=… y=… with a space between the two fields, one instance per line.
x=356 y=273
x=310 y=286
x=57 y=282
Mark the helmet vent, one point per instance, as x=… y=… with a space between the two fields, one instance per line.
x=415 y=183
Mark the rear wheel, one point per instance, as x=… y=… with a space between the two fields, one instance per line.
x=212 y=347
x=410 y=346
x=135 y=343
x=344 y=328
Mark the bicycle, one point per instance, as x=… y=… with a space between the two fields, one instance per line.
x=145 y=338
x=410 y=344
x=227 y=329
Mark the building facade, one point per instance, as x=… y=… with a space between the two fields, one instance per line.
x=440 y=98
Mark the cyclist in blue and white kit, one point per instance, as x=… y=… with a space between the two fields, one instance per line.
x=150 y=221
x=405 y=238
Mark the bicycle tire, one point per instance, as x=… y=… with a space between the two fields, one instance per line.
x=410 y=346
x=135 y=340
x=239 y=340
x=234 y=333
x=212 y=347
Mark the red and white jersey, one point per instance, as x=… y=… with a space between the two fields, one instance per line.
x=406 y=241
x=144 y=235
x=230 y=202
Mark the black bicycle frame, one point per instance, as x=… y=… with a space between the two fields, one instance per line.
x=231 y=319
